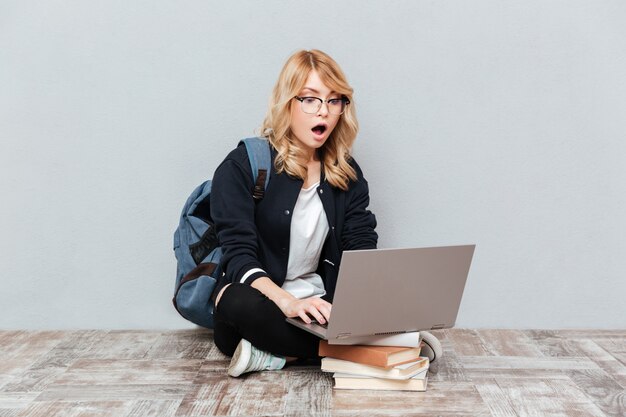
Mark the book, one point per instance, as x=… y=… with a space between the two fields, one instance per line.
x=403 y=371
x=348 y=381
x=384 y=356
x=409 y=339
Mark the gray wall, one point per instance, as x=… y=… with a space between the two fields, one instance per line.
x=487 y=122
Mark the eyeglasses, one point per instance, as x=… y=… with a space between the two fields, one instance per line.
x=312 y=105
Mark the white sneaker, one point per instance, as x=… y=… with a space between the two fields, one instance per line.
x=247 y=358
x=432 y=346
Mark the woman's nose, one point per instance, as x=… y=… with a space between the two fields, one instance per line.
x=323 y=111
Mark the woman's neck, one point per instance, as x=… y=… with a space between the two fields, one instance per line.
x=313 y=173
x=311 y=156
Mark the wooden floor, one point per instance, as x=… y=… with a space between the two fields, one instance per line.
x=181 y=373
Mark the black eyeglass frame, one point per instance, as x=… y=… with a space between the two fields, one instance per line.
x=345 y=100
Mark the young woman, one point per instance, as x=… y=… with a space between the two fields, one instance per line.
x=282 y=254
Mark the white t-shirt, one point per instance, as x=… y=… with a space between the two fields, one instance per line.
x=309 y=228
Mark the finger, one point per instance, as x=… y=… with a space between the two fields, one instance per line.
x=313 y=311
x=326 y=312
x=302 y=314
x=318 y=302
x=325 y=308
x=327 y=305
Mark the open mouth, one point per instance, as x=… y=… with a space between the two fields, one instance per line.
x=319 y=129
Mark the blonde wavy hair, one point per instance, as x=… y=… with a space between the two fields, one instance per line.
x=335 y=153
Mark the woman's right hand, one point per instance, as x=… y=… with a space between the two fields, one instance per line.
x=293 y=307
x=306 y=308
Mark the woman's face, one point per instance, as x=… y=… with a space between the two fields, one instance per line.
x=312 y=130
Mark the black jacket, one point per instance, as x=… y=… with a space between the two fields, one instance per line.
x=255 y=235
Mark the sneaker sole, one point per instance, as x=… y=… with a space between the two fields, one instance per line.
x=240 y=358
x=434 y=344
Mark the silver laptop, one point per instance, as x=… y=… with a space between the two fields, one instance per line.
x=387 y=291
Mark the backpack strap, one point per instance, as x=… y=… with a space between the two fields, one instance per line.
x=261 y=164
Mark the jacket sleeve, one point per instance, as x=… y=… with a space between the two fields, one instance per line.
x=233 y=213
x=358 y=229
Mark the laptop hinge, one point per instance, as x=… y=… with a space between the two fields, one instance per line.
x=438 y=327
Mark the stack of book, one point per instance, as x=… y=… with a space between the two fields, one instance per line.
x=375 y=367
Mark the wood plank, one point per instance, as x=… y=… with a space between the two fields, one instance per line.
x=620 y=356
x=125 y=371
x=509 y=343
x=605 y=360
x=203 y=399
x=33 y=380
x=81 y=340
x=215 y=354
x=19 y=350
x=467 y=342
x=76 y=409
x=308 y=392
x=579 y=334
x=450 y=368
x=258 y=393
x=515 y=362
x=442 y=398
x=572 y=399
x=495 y=399
x=531 y=397
x=480 y=375
x=189 y=344
x=540 y=398
x=10 y=339
x=612 y=344
x=16 y=400
x=153 y=408
x=5 y=379
x=12 y=342
x=210 y=368
x=114 y=392
x=122 y=345
x=607 y=394
x=553 y=344
x=50 y=365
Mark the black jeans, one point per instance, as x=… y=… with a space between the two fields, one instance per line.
x=245 y=312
